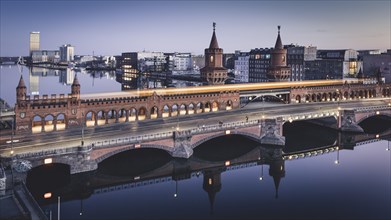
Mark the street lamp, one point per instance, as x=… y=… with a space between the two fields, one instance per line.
x=388 y=147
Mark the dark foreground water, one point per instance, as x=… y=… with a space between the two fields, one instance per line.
x=319 y=174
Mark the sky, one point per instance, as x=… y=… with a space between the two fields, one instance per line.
x=112 y=27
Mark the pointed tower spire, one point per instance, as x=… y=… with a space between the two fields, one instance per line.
x=75 y=88
x=213 y=41
x=21 y=89
x=75 y=81
x=278 y=41
x=21 y=82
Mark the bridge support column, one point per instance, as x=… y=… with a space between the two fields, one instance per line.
x=347 y=122
x=182 y=144
x=81 y=162
x=271 y=132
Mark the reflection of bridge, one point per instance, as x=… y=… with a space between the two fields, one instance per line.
x=83 y=185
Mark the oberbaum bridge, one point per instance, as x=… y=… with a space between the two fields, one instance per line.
x=37 y=116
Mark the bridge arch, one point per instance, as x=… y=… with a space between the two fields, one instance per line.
x=245 y=134
x=215 y=106
x=298 y=99
x=372 y=114
x=101 y=117
x=132 y=114
x=142 y=113
x=166 y=111
x=174 y=110
x=123 y=115
x=229 y=105
x=191 y=109
x=130 y=147
x=60 y=122
x=49 y=123
x=112 y=116
x=37 y=124
x=199 y=107
x=90 y=119
x=182 y=109
x=154 y=112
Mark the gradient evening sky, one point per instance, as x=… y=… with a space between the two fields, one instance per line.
x=112 y=27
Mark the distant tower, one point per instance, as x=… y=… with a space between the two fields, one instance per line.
x=21 y=90
x=34 y=41
x=214 y=73
x=278 y=70
x=75 y=88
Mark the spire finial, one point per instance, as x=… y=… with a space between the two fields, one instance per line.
x=214 y=26
x=279 y=27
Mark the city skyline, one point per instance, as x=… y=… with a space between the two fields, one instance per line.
x=110 y=28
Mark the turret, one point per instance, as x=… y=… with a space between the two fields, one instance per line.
x=21 y=90
x=75 y=88
x=278 y=70
x=214 y=73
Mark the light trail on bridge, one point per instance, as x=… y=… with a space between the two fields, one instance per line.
x=215 y=88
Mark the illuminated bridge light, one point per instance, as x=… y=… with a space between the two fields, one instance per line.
x=47 y=195
x=48 y=161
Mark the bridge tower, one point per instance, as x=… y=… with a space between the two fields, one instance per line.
x=214 y=73
x=75 y=88
x=21 y=90
x=278 y=70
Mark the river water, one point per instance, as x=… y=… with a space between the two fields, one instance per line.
x=318 y=174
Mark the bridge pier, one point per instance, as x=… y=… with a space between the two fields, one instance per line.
x=182 y=144
x=347 y=122
x=271 y=132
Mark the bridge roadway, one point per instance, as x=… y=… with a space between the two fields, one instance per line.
x=255 y=111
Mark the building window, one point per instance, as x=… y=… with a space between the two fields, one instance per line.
x=211 y=59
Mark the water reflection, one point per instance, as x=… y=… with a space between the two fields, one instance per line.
x=142 y=168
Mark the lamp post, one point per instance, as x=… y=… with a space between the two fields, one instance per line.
x=176 y=189
x=82 y=129
x=337 y=160
x=388 y=147
x=261 y=177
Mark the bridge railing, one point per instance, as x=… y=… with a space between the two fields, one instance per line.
x=373 y=108
x=158 y=136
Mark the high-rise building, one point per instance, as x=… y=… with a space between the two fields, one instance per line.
x=278 y=70
x=67 y=53
x=34 y=42
x=214 y=73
